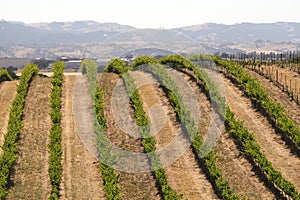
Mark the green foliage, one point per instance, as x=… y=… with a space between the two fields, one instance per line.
x=255 y=91
x=99 y=106
x=55 y=148
x=117 y=66
x=199 y=57
x=4 y=75
x=9 y=154
x=90 y=67
x=110 y=182
x=176 y=61
x=179 y=62
x=107 y=159
x=142 y=60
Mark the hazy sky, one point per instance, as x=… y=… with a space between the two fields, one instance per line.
x=152 y=13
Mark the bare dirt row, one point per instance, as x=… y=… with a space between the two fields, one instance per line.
x=80 y=175
x=7 y=94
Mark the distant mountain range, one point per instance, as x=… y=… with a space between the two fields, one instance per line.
x=18 y=33
x=106 y=40
x=275 y=32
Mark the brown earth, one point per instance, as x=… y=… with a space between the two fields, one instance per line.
x=8 y=91
x=140 y=185
x=80 y=174
x=208 y=121
x=184 y=174
x=31 y=178
x=236 y=169
x=276 y=94
x=239 y=172
x=271 y=143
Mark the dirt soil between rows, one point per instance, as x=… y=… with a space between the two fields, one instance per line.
x=80 y=175
x=8 y=91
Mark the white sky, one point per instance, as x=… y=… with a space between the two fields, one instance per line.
x=152 y=13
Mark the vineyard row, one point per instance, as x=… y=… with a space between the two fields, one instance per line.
x=274 y=111
x=55 y=148
x=107 y=159
x=10 y=149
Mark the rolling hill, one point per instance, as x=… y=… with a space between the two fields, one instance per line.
x=15 y=33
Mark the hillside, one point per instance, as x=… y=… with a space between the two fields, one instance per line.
x=57 y=32
x=171 y=130
x=81 y=38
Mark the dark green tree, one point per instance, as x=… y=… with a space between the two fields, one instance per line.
x=117 y=66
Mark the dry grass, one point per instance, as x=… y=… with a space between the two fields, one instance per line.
x=239 y=172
